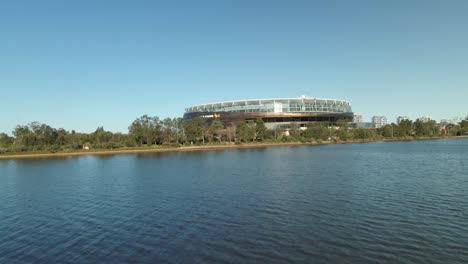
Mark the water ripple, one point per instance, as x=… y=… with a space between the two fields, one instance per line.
x=401 y=202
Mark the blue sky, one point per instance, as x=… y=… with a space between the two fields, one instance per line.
x=82 y=64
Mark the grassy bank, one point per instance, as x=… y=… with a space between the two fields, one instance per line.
x=156 y=149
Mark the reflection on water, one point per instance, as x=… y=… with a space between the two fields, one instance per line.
x=399 y=202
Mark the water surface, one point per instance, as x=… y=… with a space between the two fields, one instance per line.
x=398 y=202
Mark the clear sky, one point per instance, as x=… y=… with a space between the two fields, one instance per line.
x=82 y=64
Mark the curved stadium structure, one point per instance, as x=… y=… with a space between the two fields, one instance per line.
x=275 y=112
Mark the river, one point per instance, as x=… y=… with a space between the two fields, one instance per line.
x=385 y=202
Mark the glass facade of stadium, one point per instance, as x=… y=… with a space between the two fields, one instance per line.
x=275 y=112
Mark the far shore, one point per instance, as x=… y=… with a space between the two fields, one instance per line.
x=157 y=149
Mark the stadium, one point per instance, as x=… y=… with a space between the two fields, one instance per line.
x=279 y=112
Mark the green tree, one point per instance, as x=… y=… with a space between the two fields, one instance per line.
x=464 y=127
x=242 y=131
x=277 y=133
x=251 y=130
x=343 y=131
x=317 y=131
x=387 y=131
x=168 y=131
x=136 y=131
x=406 y=128
x=260 y=129
x=24 y=138
x=146 y=130
x=231 y=133
x=74 y=139
x=190 y=132
x=195 y=130
x=5 y=142
x=425 y=129
x=61 y=137
x=200 y=128
x=294 y=131
x=397 y=132
x=99 y=136
x=216 y=129
x=46 y=136
x=180 y=129
x=361 y=133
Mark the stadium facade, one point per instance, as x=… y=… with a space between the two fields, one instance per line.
x=278 y=112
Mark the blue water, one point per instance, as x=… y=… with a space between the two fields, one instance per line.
x=399 y=202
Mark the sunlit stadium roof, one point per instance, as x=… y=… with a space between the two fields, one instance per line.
x=301 y=104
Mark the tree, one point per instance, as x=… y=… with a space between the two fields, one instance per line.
x=342 y=123
x=5 y=141
x=242 y=131
x=74 y=140
x=190 y=132
x=215 y=129
x=146 y=130
x=153 y=131
x=260 y=129
x=387 y=131
x=136 y=131
x=406 y=128
x=200 y=127
x=45 y=135
x=250 y=130
x=99 y=136
x=61 y=137
x=24 y=138
x=294 y=131
x=360 y=133
x=464 y=127
x=317 y=131
x=343 y=131
x=180 y=131
x=397 y=131
x=168 y=131
x=425 y=128
x=231 y=133
x=195 y=130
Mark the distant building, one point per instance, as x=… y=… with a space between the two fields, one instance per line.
x=379 y=121
x=358 y=119
x=452 y=121
x=358 y=122
x=401 y=118
x=425 y=119
x=365 y=125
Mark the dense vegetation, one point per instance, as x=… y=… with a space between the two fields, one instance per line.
x=149 y=131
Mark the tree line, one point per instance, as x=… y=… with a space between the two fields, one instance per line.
x=173 y=132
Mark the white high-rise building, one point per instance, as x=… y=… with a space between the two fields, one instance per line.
x=425 y=119
x=401 y=118
x=379 y=121
x=358 y=119
x=453 y=121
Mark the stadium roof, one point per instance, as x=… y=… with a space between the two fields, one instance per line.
x=270 y=100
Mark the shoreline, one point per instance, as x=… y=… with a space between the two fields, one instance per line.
x=203 y=148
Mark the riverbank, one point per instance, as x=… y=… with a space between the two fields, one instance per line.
x=201 y=148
